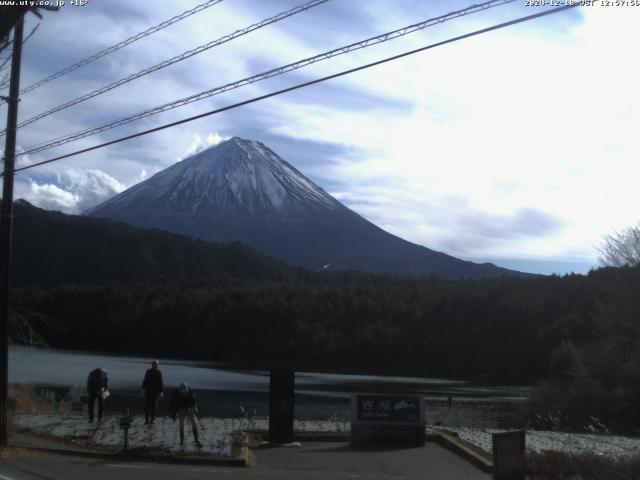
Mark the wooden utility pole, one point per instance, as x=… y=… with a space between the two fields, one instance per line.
x=6 y=223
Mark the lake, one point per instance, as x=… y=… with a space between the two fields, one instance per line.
x=221 y=389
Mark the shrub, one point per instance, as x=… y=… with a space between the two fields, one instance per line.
x=29 y=399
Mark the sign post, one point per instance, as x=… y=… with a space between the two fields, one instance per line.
x=281 y=403
x=125 y=424
x=384 y=419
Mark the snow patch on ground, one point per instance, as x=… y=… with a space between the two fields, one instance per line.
x=537 y=441
x=214 y=433
x=261 y=424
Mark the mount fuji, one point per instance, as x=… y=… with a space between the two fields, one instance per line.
x=240 y=190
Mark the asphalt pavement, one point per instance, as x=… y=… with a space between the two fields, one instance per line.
x=314 y=460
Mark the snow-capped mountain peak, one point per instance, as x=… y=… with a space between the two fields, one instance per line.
x=242 y=173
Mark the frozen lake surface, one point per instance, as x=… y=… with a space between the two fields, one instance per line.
x=222 y=389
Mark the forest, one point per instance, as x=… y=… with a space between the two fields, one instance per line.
x=502 y=329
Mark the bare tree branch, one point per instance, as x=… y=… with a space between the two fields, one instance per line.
x=621 y=248
x=29 y=328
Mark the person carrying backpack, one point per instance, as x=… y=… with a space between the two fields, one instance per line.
x=183 y=404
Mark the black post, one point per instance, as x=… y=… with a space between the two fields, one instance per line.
x=126 y=429
x=281 y=402
x=6 y=220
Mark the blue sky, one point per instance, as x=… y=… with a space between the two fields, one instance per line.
x=518 y=147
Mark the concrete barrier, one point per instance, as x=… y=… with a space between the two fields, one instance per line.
x=508 y=453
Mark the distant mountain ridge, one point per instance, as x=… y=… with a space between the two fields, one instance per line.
x=51 y=248
x=240 y=190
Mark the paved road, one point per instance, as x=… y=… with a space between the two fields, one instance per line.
x=312 y=461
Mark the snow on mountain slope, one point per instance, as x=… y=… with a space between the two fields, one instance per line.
x=240 y=190
x=238 y=172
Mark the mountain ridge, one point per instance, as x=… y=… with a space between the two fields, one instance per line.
x=53 y=248
x=240 y=190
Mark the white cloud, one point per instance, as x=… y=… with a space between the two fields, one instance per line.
x=507 y=122
x=50 y=197
x=200 y=143
x=73 y=191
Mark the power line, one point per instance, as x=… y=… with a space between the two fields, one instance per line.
x=3 y=65
x=265 y=75
x=121 y=44
x=5 y=81
x=305 y=84
x=176 y=59
x=33 y=30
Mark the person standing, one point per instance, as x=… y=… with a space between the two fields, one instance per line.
x=153 y=389
x=183 y=404
x=97 y=389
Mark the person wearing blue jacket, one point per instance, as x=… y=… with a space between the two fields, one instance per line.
x=97 y=388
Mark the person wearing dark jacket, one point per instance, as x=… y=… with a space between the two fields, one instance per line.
x=183 y=404
x=153 y=389
x=97 y=389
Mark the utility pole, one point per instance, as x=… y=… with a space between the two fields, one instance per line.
x=6 y=223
